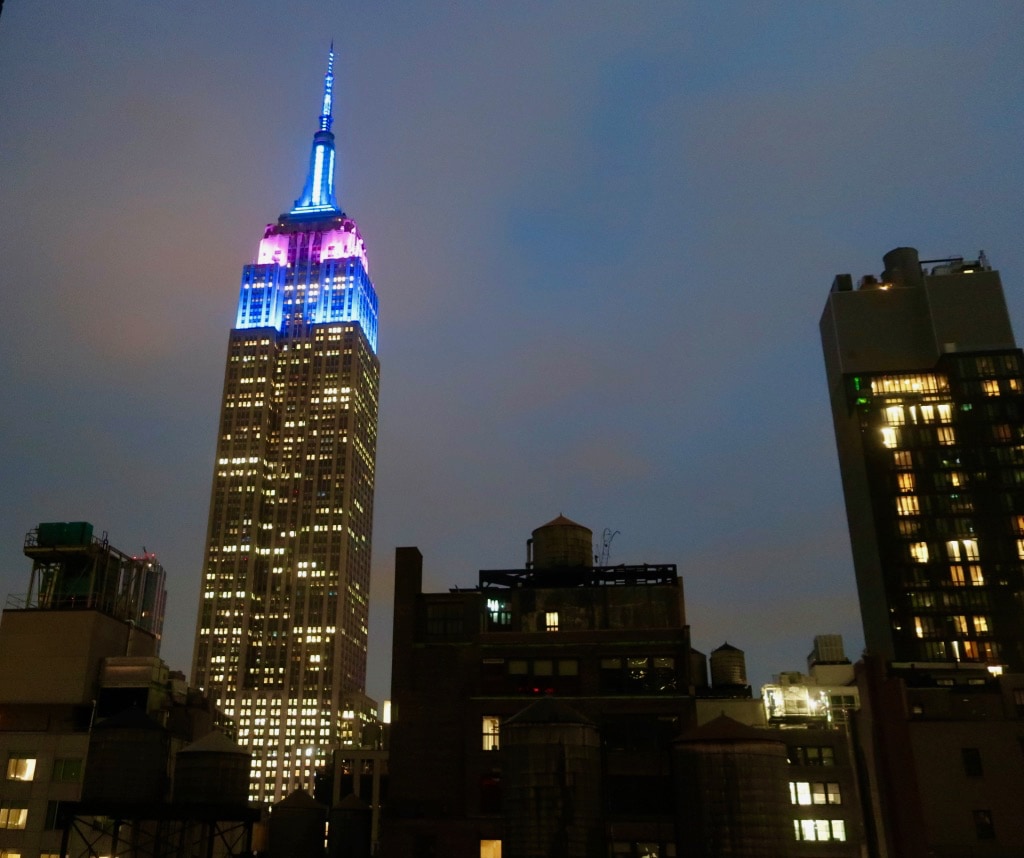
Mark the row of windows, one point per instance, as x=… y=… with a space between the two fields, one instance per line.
x=927 y=460
x=893 y=437
x=973 y=599
x=21 y=766
x=819 y=829
x=928 y=626
x=897 y=415
x=974 y=367
x=956 y=576
x=808 y=793
x=956 y=549
x=620 y=849
x=985 y=651
x=617 y=675
x=811 y=755
x=944 y=504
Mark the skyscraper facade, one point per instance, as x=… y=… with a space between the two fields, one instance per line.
x=282 y=626
x=927 y=390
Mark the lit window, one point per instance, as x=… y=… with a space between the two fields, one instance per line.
x=976 y=576
x=990 y=387
x=905 y=482
x=960 y=624
x=491 y=732
x=21 y=766
x=970 y=549
x=907 y=505
x=490 y=849
x=889 y=437
x=551 y=621
x=901 y=459
x=919 y=551
x=945 y=412
x=800 y=792
x=956 y=575
x=499 y=612
x=13 y=817
x=945 y=435
x=819 y=829
x=894 y=415
x=980 y=624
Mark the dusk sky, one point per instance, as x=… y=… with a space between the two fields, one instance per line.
x=602 y=234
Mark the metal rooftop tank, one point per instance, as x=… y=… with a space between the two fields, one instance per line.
x=552 y=776
x=728 y=666
x=212 y=770
x=561 y=543
x=731 y=796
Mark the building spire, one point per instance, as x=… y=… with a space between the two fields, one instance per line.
x=325 y=114
x=318 y=194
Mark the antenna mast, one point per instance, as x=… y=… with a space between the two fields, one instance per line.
x=607 y=535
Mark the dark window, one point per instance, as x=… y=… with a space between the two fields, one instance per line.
x=638 y=795
x=544 y=676
x=490 y=793
x=445 y=620
x=972 y=762
x=67 y=769
x=639 y=733
x=812 y=755
x=639 y=849
x=425 y=846
x=52 y=816
x=612 y=678
x=983 y=825
x=492 y=675
x=638 y=675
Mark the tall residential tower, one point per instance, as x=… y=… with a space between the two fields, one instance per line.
x=927 y=389
x=282 y=626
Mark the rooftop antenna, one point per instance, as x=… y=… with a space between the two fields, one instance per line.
x=607 y=535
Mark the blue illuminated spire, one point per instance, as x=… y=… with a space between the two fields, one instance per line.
x=318 y=194
x=325 y=113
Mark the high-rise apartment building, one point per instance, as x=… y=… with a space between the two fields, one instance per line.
x=282 y=627
x=927 y=390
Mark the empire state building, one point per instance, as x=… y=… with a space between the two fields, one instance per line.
x=282 y=626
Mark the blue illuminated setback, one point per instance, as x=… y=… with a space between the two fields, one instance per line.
x=311 y=267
